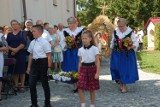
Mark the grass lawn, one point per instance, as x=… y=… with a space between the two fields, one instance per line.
x=149 y=61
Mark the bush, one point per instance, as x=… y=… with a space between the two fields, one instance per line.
x=157 y=36
x=145 y=42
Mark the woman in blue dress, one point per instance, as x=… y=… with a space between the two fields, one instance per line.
x=123 y=64
x=16 y=43
x=70 y=49
x=70 y=61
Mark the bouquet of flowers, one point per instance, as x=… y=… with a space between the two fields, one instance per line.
x=66 y=76
x=69 y=41
x=127 y=42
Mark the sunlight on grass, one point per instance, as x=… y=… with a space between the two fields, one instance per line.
x=149 y=61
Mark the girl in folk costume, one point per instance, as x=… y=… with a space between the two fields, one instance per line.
x=89 y=68
x=123 y=64
x=71 y=42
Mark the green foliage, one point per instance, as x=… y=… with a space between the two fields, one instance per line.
x=148 y=61
x=145 y=42
x=157 y=36
x=137 y=12
x=89 y=11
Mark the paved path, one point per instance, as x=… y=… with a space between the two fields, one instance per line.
x=144 y=93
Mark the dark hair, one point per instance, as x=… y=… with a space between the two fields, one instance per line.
x=1 y=28
x=55 y=26
x=46 y=23
x=14 y=21
x=89 y=33
x=39 y=28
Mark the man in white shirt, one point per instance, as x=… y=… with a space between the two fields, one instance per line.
x=140 y=34
x=45 y=34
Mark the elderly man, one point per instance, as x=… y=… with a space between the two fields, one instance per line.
x=45 y=34
x=123 y=64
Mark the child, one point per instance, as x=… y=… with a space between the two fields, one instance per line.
x=38 y=64
x=56 y=48
x=89 y=67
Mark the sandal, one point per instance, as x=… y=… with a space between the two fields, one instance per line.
x=124 y=91
x=22 y=90
x=15 y=90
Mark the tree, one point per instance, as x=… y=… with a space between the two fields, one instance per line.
x=137 y=12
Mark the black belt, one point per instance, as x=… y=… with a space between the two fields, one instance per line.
x=39 y=59
x=88 y=64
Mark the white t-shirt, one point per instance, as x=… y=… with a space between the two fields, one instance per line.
x=88 y=55
x=140 y=34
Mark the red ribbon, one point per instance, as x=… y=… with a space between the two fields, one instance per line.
x=74 y=41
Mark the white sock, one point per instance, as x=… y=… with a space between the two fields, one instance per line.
x=83 y=105
x=91 y=105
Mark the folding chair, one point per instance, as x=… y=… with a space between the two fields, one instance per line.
x=7 y=80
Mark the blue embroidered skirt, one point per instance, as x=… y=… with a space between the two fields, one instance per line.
x=70 y=60
x=123 y=67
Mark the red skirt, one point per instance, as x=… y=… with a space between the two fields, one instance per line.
x=87 y=79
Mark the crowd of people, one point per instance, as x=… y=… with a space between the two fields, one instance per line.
x=37 y=47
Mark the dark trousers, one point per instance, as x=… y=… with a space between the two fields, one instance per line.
x=140 y=46
x=38 y=71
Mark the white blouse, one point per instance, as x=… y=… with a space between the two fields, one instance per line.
x=122 y=35
x=88 y=55
x=62 y=42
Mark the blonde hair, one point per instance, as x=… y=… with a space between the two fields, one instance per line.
x=90 y=34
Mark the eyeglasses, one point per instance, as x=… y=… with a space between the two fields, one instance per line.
x=121 y=26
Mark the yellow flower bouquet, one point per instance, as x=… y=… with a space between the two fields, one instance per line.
x=69 y=41
x=127 y=42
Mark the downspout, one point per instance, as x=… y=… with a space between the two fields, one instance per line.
x=24 y=9
x=74 y=7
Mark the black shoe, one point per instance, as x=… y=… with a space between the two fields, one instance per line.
x=75 y=91
x=118 y=81
x=34 y=106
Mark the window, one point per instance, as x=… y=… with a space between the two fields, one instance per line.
x=55 y=2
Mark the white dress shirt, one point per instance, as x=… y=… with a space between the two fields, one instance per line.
x=46 y=35
x=39 y=47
